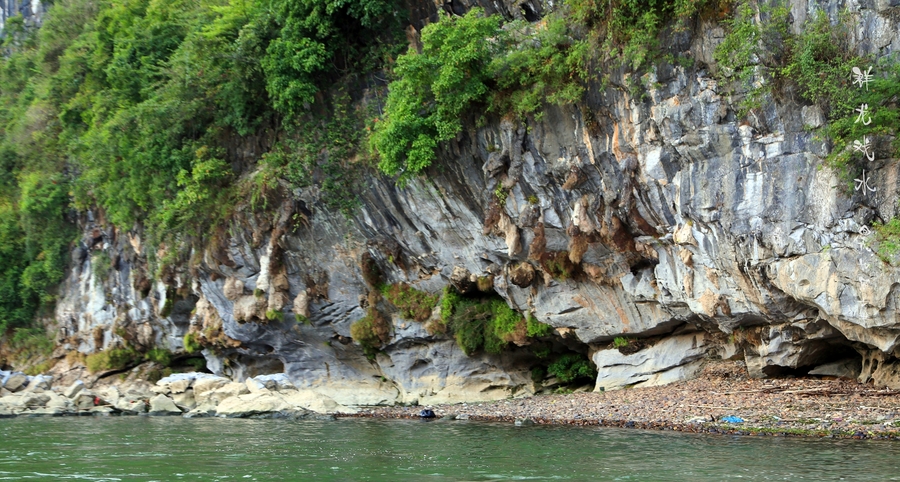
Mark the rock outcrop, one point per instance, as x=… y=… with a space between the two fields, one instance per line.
x=668 y=217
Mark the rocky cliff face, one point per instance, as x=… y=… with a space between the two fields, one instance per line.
x=30 y=10
x=663 y=218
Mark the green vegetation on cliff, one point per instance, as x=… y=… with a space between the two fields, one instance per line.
x=169 y=114
x=486 y=322
x=765 y=58
x=479 y=63
x=142 y=108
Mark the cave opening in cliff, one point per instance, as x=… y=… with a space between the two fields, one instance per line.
x=836 y=358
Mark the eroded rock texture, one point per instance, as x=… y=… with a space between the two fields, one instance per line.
x=664 y=218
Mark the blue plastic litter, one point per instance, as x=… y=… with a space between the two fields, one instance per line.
x=731 y=419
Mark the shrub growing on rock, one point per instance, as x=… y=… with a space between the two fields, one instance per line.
x=160 y=356
x=112 y=359
x=571 y=367
x=413 y=304
x=536 y=328
x=478 y=323
x=371 y=331
x=191 y=342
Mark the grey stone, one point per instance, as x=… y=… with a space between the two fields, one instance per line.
x=185 y=399
x=103 y=411
x=198 y=413
x=35 y=400
x=180 y=386
x=163 y=405
x=132 y=404
x=256 y=404
x=74 y=389
x=671 y=359
x=206 y=385
x=16 y=382
x=84 y=400
x=39 y=382
x=812 y=116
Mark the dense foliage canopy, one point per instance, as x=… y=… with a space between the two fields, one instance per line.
x=131 y=105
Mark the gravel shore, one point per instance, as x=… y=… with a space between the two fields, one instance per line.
x=779 y=407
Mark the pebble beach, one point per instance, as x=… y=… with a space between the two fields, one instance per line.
x=722 y=400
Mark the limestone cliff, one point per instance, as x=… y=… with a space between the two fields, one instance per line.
x=30 y=10
x=689 y=230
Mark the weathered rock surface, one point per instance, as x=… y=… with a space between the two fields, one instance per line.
x=15 y=382
x=85 y=400
x=314 y=402
x=74 y=389
x=675 y=213
x=671 y=359
x=258 y=404
x=163 y=405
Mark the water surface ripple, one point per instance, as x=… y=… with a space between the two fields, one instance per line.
x=166 y=449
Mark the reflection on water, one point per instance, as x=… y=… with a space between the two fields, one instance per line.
x=164 y=449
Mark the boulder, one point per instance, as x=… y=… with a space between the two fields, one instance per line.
x=276 y=381
x=131 y=404
x=110 y=394
x=185 y=399
x=163 y=405
x=74 y=389
x=205 y=385
x=181 y=382
x=15 y=382
x=254 y=385
x=39 y=383
x=228 y=390
x=196 y=413
x=315 y=402
x=138 y=390
x=84 y=400
x=180 y=386
x=204 y=410
x=34 y=400
x=258 y=404
x=672 y=359
x=160 y=389
x=58 y=401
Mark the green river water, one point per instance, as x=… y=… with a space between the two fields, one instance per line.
x=175 y=449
